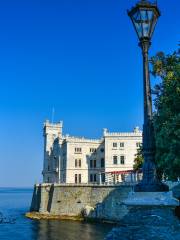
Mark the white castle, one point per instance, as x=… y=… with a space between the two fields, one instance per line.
x=70 y=159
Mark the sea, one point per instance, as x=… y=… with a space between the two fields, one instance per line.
x=15 y=202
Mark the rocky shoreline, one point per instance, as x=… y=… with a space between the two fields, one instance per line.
x=42 y=216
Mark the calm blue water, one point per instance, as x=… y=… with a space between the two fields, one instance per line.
x=14 y=203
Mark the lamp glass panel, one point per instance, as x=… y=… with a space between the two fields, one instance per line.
x=136 y=18
x=153 y=24
x=150 y=15
x=146 y=22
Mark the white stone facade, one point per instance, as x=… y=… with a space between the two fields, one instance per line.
x=79 y=160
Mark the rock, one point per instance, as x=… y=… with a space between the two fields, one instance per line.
x=88 y=211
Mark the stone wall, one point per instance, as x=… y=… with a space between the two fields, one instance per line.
x=94 y=201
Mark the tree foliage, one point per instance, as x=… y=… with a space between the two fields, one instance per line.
x=138 y=161
x=167 y=113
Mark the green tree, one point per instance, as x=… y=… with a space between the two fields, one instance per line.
x=138 y=161
x=167 y=113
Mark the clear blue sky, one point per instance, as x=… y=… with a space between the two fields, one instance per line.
x=80 y=56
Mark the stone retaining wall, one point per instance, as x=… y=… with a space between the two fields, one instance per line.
x=105 y=202
x=102 y=202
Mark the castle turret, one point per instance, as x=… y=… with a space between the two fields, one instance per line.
x=52 y=133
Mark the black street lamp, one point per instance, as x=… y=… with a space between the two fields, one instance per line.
x=144 y=17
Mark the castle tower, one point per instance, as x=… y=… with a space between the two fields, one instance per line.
x=52 y=133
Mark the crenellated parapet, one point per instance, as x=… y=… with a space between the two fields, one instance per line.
x=53 y=128
x=136 y=133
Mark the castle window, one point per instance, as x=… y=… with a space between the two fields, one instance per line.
x=138 y=144
x=93 y=163
x=114 y=145
x=122 y=158
x=115 y=159
x=93 y=178
x=76 y=178
x=78 y=150
x=79 y=162
x=102 y=149
x=75 y=162
x=103 y=177
x=102 y=162
x=121 y=144
x=48 y=168
x=92 y=150
x=79 y=178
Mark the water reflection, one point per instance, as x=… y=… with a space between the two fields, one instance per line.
x=14 y=203
x=68 y=230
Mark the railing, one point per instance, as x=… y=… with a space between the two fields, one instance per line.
x=86 y=184
x=108 y=184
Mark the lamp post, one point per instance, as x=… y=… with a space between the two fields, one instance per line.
x=144 y=17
